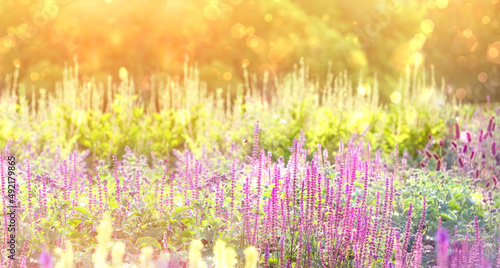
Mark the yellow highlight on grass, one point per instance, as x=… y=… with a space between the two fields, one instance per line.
x=195 y=259
x=251 y=257
x=66 y=257
x=224 y=257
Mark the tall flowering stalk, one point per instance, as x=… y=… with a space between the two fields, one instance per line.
x=28 y=185
x=407 y=234
x=161 y=196
x=100 y=189
x=171 y=190
x=197 y=174
x=91 y=197
x=117 y=179
x=66 y=183
x=442 y=239
x=417 y=251
x=187 y=179
x=246 y=215
x=255 y=143
x=137 y=185
x=232 y=189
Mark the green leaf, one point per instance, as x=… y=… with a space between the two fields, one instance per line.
x=74 y=234
x=112 y=204
x=83 y=211
x=187 y=233
x=74 y=222
x=187 y=221
x=147 y=241
x=180 y=209
x=454 y=205
x=448 y=215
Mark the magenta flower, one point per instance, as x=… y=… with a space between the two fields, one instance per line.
x=442 y=239
x=469 y=137
x=457 y=131
x=45 y=260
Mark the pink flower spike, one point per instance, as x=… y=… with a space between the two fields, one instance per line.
x=457 y=131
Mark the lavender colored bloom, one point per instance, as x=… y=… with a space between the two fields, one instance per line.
x=45 y=260
x=266 y=253
x=498 y=254
x=117 y=179
x=255 y=142
x=407 y=232
x=469 y=137
x=442 y=239
x=494 y=148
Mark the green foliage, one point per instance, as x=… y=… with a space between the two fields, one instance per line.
x=456 y=202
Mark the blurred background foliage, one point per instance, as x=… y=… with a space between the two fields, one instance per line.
x=461 y=39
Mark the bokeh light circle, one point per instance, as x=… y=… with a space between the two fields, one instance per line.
x=461 y=93
x=482 y=77
x=34 y=76
x=493 y=52
x=396 y=97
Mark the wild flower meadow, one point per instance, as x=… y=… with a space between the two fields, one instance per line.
x=251 y=181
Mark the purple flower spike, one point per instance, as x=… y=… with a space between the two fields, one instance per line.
x=266 y=253
x=494 y=148
x=469 y=137
x=442 y=239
